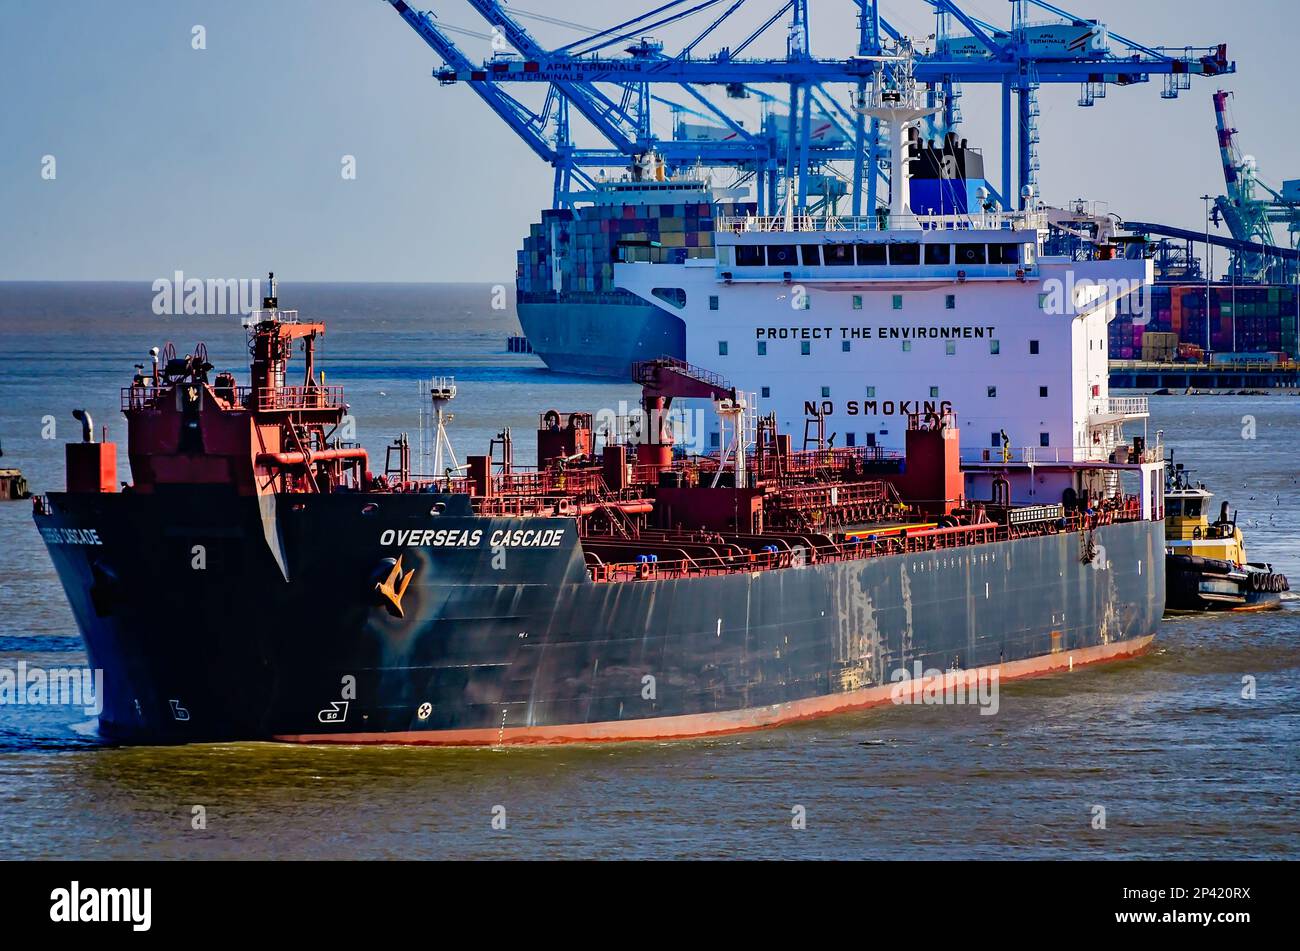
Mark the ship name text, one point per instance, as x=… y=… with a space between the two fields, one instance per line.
x=472 y=538
x=71 y=536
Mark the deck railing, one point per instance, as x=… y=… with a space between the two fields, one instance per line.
x=267 y=399
x=899 y=540
x=989 y=221
x=1131 y=406
x=1065 y=455
x=274 y=398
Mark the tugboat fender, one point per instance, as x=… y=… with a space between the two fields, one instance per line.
x=1212 y=566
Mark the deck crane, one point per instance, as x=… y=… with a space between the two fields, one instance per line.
x=611 y=90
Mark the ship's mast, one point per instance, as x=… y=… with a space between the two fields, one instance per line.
x=734 y=409
x=896 y=100
x=442 y=391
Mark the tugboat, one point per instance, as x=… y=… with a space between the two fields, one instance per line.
x=1205 y=563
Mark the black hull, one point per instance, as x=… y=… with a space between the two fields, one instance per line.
x=518 y=644
x=1199 y=585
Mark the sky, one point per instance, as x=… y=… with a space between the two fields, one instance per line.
x=228 y=161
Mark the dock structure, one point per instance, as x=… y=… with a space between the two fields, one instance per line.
x=12 y=485
x=1143 y=375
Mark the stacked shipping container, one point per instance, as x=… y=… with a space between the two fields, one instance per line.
x=1263 y=317
x=580 y=246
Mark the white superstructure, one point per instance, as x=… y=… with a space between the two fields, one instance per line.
x=866 y=325
x=857 y=323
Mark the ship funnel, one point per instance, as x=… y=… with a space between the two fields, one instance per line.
x=87 y=425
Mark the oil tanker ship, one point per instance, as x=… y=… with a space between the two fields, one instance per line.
x=964 y=499
x=256 y=580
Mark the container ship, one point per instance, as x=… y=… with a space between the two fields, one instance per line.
x=573 y=315
x=256 y=580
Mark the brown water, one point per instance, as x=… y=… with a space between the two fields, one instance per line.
x=1183 y=765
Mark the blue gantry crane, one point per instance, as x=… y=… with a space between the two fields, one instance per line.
x=607 y=74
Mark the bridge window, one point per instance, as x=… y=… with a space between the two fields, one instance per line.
x=766 y=392
x=907 y=253
x=871 y=392
x=749 y=255
x=762 y=348
x=846 y=346
x=826 y=392
x=722 y=348
x=1004 y=254
x=950 y=302
x=805 y=348
x=1042 y=392
x=1044 y=439
x=782 y=255
x=670 y=295
x=996 y=440
x=713 y=302
x=970 y=254
x=811 y=255
x=872 y=254
x=907 y=346
x=837 y=253
x=898 y=302
x=938 y=254
x=950 y=347
x=995 y=346
x=934 y=391
x=857 y=301
x=1033 y=346
x=993 y=392
x=850 y=439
